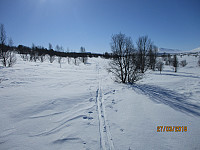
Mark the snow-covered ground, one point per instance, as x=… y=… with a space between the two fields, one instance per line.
x=43 y=106
x=174 y=51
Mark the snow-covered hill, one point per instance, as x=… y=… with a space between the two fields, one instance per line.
x=169 y=51
x=196 y=50
x=43 y=106
x=176 y=51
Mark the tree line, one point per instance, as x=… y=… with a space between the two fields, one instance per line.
x=38 y=53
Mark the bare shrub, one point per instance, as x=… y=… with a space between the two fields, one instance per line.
x=11 y=58
x=160 y=65
x=42 y=58
x=183 y=63
x=51 y=58
x=83 y=57
x=24 y=57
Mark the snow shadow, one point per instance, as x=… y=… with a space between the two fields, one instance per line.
x=61 y=141
x=173 y=99
x=179 y=75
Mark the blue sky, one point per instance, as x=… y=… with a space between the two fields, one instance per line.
x=90 y=23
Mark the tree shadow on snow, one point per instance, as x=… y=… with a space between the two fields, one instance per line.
x=175 y=100
x=179 y=75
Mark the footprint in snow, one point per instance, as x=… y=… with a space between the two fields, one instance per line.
x=113 y=101
x=91 y=99
x=104 y=129
x=85 y=117
x=110 y=106
x=122 y=130
x=90 y=118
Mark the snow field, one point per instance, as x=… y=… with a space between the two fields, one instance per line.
x=43 y=106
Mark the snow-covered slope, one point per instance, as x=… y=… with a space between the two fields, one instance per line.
x=43 y=106
x=169 y=51
x=196 y=50
x=173 y=51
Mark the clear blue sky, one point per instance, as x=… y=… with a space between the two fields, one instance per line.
x=90 y=23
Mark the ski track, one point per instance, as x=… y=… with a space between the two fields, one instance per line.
x=106 y=141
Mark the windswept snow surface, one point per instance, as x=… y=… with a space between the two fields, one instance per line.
x=43 y=106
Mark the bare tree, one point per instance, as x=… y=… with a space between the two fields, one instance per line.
x=7 y=54
x=76 y=60
x=3 y=51
x=68 y=60
x=135 y=73
x=11 y=54
x=2 y=39
x=124 y=63
x=117 y=66
x=62 y=49
x=198 y=62
x=152 y=55
x=183 y=63
x=42 y=58
x=50 y=46
x=175 y=63
x=168 y=60
x=34 y=53
x=51 y=54
x=57 y=48
x=60 y=60
x=84 y=57
x=24 y=57
x=160 y=65
x=144 y=44
x=51 y=58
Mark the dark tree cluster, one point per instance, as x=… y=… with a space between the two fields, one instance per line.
x=160 y=65
x=39 y=53
x=36 y=52
x=183 y=63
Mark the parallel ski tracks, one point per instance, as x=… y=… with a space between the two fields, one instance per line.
x=106 y=141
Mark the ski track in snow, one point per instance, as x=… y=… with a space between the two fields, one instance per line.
x=106 y=141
